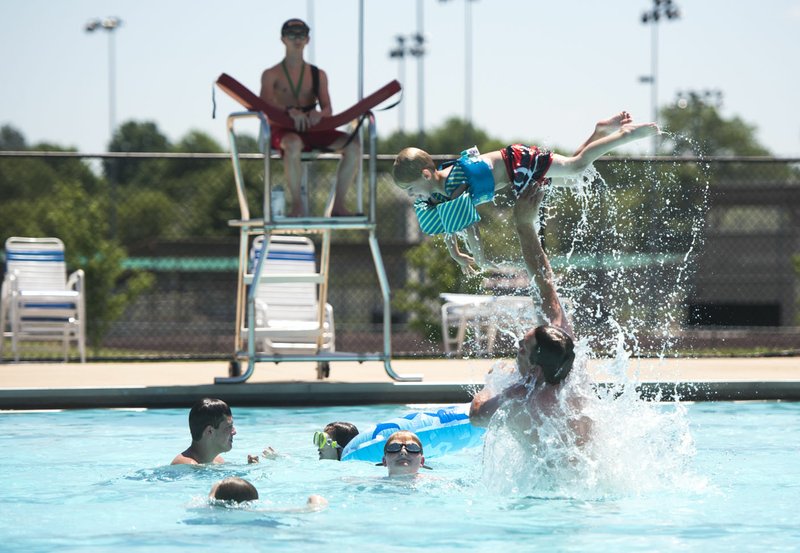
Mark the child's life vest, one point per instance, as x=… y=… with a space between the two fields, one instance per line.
x=441 y=214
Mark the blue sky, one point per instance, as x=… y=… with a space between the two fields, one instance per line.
x=543 y=72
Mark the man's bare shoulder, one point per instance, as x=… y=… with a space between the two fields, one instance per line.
x=271 y=72
x=182 y=459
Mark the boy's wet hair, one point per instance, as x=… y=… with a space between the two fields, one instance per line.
x=409 y=163
x=207 y=411
x=341 y=433
x=402 y=435
x=236 y=490
x=554 y=353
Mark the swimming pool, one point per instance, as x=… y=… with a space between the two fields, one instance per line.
x=98 y=480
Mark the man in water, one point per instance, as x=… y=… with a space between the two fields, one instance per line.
x=211 y=426
x=545 y=356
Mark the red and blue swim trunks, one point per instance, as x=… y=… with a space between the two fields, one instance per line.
x=526 y=164
x=320 y=140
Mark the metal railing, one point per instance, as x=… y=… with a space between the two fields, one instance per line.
x=726 y=229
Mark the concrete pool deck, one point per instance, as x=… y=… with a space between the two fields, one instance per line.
x=180 y=383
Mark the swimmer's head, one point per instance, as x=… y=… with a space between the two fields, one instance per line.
x=295 y=28
x=402 y=454
x=340 y=433
x=402 y=436
x=409 y=164
x=549 y=348
x=234 y=489
x=207 y=412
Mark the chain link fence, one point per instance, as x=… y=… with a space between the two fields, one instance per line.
x=661 y=254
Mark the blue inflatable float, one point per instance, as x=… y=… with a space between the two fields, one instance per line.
x=441 y=432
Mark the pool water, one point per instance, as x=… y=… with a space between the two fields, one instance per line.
x=99 y=480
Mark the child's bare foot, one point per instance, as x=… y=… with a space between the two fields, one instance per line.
x=607 y=126
x=639 y=130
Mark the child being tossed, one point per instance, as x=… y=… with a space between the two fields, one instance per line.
x=447 y=196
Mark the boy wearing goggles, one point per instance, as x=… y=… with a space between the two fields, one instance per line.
x=402 y=454
x=332 y=440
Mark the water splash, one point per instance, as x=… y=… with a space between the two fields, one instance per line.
x=625 y=241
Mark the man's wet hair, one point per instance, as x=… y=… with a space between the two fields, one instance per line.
x=554 y=353
x=207 y=411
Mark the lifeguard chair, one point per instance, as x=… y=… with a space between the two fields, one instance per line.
x=250 y=278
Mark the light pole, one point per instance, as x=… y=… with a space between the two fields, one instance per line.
x=662 y=9
x=109 y=24
x=467 y=60
x=399 y=52
x=417 y=50
x=310 y=20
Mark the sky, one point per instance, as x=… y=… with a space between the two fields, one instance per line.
x=542 y=72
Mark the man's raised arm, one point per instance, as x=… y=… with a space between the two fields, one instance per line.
x=525 y=211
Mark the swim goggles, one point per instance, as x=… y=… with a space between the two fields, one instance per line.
x=321 y=440
x=395 y=447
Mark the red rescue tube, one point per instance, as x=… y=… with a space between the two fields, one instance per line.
x=278 y=117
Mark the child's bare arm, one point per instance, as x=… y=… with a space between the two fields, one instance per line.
x=476 y=247
x=465 y=261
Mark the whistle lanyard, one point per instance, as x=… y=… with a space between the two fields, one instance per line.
x=295 y=89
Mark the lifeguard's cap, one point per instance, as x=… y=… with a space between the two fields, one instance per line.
x=295 y=26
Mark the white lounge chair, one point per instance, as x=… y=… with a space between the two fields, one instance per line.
x=485 y=317
x=39 y=302
x=462 y=312
x=287 y=307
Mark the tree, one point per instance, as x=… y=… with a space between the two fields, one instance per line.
x=11 y=140
x=62 y=197
x=454 y=136
x=81 y=221
x=436 y=273
x=133 y=136
x=695 y=124
x=26 y=182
